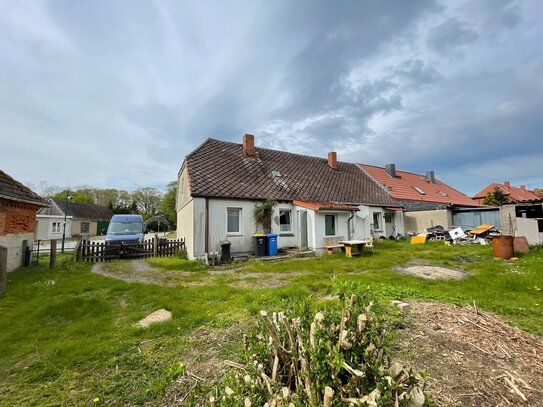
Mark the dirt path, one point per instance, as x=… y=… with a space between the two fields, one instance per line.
x=474 y=358
x=139 y=271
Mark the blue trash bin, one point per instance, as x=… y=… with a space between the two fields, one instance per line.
x=271 y=244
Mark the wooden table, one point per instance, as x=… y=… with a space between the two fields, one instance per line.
x=353 y=247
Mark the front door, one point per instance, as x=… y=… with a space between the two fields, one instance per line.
x=303 y=229
x=389 y=224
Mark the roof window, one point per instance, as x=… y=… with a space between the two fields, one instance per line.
x=420 y=191
x=442 y=193
x=276 y=173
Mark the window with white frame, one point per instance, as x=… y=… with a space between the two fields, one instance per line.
x=233 y=221
x=56 y=227
x=376 y=220
x=285 y=220
x=330 y=225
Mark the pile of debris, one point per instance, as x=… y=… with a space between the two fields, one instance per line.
x=473 y=357
x=483 y=234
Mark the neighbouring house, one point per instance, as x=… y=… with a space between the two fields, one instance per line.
x=18 y=207
x=81 y=219
x=512 y=193
x=318 y=199
x=429 y=202
x=523 y=218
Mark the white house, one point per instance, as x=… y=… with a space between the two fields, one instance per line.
x=81 y=219
x=220 y=183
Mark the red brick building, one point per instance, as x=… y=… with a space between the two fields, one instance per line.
x=18 y=207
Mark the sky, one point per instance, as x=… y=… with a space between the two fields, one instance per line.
x=114 y=93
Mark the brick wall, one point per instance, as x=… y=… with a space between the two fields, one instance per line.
x=17 y=223
x=17 y=218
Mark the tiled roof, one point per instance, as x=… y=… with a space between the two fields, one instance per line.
x=13 y=190
x=403 y=187
x=513 y=193
x=218 y=169
x=326 y=205
x=84 y=211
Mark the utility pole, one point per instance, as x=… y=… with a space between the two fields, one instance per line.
x=68 y=197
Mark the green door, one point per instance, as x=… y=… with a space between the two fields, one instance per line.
x=101 y=227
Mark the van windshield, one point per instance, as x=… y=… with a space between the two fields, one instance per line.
x=125 y=228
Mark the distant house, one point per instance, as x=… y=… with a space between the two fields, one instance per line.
x=318 y=199
x=512 y=193
x=81 y=219
x=524 y=218
x=18 y=207
x=430 y=202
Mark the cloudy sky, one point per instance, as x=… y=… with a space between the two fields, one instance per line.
x=116 y=93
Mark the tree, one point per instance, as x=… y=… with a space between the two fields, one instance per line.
x=147 y=200
x=76 y=196
x=495 y=198
x=167 y=206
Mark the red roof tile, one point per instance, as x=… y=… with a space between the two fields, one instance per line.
x=218 y=169
x=326 y=205
x=403 y=187
x=512 y=193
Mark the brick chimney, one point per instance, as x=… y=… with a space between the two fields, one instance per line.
x=249 y=146
x=507 y=184
x=332 y=160
x=430 y=177
x=523 y=187
x=391 y=170
x=536 y=191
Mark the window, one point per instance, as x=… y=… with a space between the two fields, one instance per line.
x=420 y=191
x=56 y=227
x=233 y=221
x=85 y=226
x=330 y=225
x=376 y=220
x=388 y=217
x=284 y=220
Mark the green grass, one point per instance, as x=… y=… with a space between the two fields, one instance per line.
x=67 y=335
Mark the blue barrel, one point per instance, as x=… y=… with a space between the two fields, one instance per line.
x=271 y=244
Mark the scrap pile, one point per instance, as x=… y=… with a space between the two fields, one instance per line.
x=483 y=234
x=332 y=360
x=475 y=358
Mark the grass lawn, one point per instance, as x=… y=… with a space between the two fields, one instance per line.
x=68 y=335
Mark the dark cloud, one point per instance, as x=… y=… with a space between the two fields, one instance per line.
x=450 y=34
x=123 y=91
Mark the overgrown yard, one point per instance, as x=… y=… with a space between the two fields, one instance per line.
x=68 y=336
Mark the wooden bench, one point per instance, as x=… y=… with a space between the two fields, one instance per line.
x=331 y=243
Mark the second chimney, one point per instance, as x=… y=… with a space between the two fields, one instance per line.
x=391 y=170
x=523 y=187
x=332 y=160
x=249 y=146
x=507 y=184
x=431 y=177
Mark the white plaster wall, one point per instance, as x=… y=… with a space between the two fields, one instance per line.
x=185 y=228
x=14 y=244
x=243 y=241
x=341 y=226
x=530 y=229
x=44 y=229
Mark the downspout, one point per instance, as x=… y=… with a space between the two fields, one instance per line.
x=349 y=233
x=207 y=226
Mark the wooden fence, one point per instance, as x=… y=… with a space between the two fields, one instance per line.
x=105 y=251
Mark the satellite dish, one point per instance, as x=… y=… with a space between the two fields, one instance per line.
x=363 y=211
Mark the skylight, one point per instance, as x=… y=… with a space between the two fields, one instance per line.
x=442 y=193
x=420 y=191
x=276 y=173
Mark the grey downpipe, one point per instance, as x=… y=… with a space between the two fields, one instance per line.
x=349 y=233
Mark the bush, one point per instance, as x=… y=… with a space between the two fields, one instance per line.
x=337 y=357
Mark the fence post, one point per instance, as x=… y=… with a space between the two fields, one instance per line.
x=155 y=245
x=3 y=270
x=79 y=250
x=53 y=254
